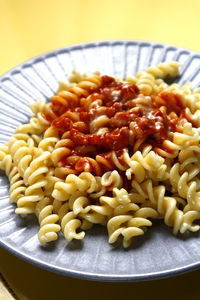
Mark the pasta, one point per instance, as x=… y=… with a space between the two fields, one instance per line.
x=110 y=152
x=48 y=228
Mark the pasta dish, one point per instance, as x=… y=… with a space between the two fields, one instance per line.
x=107 y=151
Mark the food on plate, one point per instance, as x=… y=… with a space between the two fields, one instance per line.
x=119 y=153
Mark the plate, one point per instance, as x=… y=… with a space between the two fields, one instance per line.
x=158 y=253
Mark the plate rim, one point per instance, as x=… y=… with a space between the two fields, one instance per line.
x=95 y=42
x=82 y=274
x=100 y=277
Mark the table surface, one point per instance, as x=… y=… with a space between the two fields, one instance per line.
x=29 y=28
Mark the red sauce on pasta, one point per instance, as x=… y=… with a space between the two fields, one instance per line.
x=114 y=117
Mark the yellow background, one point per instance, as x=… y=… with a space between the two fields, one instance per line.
x=29 y=28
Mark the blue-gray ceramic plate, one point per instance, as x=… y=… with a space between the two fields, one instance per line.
x=158 y=253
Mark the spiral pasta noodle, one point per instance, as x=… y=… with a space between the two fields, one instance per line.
x=69 y=223
x=17 y=187
x=109 y=152
x=47 y=220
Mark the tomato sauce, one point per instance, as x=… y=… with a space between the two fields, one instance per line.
x=151 y=123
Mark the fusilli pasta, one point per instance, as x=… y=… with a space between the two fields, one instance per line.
x=110 y=152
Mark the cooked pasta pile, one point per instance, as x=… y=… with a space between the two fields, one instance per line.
x=109 y=152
